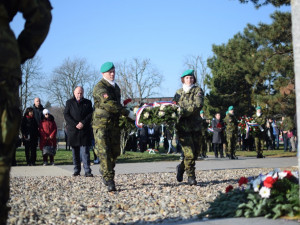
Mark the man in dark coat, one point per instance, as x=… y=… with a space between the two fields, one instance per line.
x=38 y=110
x=218 y=136
x=78 y=116
x=14 y=51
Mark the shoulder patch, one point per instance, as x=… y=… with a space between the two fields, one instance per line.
x=105 y=95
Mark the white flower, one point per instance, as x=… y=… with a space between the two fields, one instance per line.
x=256 y=183
x=161 y=113
x=282 y=175
x=173 y=115
x=146 y=115
x=162 y=107
x=179 y=110
x=265 y=192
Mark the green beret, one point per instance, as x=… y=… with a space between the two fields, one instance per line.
x=106 y=67
x=188 y=73
x=230 y=108
x=258 y=107
x=201 y=111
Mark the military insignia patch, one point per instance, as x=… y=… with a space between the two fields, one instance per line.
x=105 y=95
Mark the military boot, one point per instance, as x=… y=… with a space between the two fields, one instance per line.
x=192 y=180
x=259 y=156
x=111 y=186
x=180 y=172
x=232 y=156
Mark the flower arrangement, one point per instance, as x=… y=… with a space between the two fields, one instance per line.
x=272 y=195
x=247 y=126
x=158 y=113
x=124 y=122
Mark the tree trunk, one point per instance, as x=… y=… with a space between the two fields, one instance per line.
x=295 y=4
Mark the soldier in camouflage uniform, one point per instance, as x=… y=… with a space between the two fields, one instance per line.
x=13 y=52
x=259 y=137
x=231 y=132
x=105 y=123
x=204 y=135
x=190 y=99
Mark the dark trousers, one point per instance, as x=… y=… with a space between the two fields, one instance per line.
x=276 y=140
x=286 y=141
x=30 y=153
x=218 y=149
x=81 y=153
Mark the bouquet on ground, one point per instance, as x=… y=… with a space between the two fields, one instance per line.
x=272 y=195
x=158 y=113
x=248 y=126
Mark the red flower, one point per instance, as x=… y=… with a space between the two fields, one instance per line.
x=219 y=125
x=269 y=181
x=243 y=180
x=229 y=188
x=288 y=173
x=126 y=101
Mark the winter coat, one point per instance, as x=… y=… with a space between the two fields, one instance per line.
x=78 y=112
x=218 y=127
x=29 y=130
x=38 y=113
x=48 y=130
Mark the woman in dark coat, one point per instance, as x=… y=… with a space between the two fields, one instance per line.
x=218 y=136
x=48 y=132
x=30 y=133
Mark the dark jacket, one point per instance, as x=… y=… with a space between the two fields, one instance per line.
x=218 y=127
x=143 y=134
x=38 y=113
x=78 y=112
x=29 y=130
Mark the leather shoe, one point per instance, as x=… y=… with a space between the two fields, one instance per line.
x=75 y=174
x=111 y=186
x=179 y=173
x=192 y=181
x=88 y=175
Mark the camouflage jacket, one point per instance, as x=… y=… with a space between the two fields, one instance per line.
x=37 y=14
x=107 y=100
x=231 y=124
x=261 y=120
x=191 y=104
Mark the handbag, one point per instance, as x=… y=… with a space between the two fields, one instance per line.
x=49 y=150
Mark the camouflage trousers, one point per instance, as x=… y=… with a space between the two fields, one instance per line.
x=107 y=148
x=231 y=143
x=10 y=115
x=191 y=144
x=259 y=144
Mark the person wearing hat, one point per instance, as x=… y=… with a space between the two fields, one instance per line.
x=48 y=130
x=231 y=132
x=190 y=99
x=108 y=109
x=259 y=136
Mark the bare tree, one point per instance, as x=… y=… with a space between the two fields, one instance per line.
x=138 y=79
x=31 y=72
x=66 y=77
x=201 y=70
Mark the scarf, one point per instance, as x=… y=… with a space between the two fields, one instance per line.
x=187 y=88
x=111 y=82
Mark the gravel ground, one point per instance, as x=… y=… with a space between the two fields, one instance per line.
x=140 y=198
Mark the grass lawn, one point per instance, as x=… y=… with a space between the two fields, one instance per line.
x=64 y=157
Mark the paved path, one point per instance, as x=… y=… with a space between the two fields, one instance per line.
x=154 y=167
